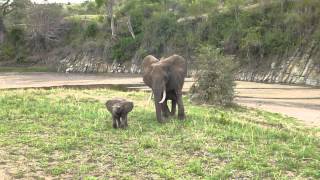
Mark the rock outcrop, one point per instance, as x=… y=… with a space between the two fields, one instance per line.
x=302 y=67
x=90 y=61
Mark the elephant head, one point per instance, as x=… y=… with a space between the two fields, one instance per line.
x=119 y=109
x=165 y=78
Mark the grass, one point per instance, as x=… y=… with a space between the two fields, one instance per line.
x=90 y=18
x=67 y=133
x=26 y=69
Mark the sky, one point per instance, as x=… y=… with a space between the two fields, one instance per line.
x=59 y=1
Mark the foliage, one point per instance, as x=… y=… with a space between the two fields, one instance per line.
x=85 y=8
x=19 y=12
x=15 y=45
x=45 y=20
x=16 y=36
x=68 y=133
x=91 y=30
x=251 y=30
x=214 y=79
x=7 y=52
x=158 y=31
x=125 y=48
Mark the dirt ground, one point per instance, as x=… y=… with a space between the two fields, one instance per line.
x=300 y=102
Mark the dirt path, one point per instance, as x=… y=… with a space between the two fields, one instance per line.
x=300 y=102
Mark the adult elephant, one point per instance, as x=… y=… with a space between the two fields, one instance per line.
x=166 y=79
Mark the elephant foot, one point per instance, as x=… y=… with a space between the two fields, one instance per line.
x=122 y=126
x=181 y=116
x=166 y=116
x=114 y=126
x=162 y=120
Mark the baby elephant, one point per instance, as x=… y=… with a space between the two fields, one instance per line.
x=119 y=108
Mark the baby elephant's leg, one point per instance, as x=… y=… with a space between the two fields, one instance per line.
x=114 y=122
x=119 y=122
x=124 y=121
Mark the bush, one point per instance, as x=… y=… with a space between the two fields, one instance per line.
x=91 y=30
x=15 y=45
x=125 y=48
x=158 y=31
x=7 y=52
x=214 y=79
x=100 y=19
x=16 y=36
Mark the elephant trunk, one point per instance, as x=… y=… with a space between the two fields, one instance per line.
x=163 y=97
x=159 y=98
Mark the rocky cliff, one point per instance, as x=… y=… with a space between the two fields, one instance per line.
x=87 y=59
x=301 y=67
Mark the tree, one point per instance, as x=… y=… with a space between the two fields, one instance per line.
x=109 y=5
x=44 y=22
x=6 y=7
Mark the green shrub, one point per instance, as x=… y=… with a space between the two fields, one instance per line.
x=91 y=30
x=100 y=19
x=7 y=52
x=125 y=48
x=214 y=80
x=16 y=36
x=14 y=47
x=158 y=31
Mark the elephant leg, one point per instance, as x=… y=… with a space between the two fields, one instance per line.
x=119 y=122
x=173 y=107
x=124 y=122
x=181 y=114
x=114 y=122
x=165 y=109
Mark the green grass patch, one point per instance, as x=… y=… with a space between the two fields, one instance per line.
x=26 y=69
x=88 y=17
x=66 y=132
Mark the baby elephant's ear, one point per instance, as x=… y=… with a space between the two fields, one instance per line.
x=109 y=105
x=128 y=106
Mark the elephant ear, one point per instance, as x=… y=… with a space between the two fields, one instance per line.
x=178 y=67
x=109 y=104
x=147 y=62
x=127 y=106
x=147 y=69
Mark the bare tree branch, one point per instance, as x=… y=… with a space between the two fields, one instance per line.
x=109 y=5
x=5 y=4
x=130 y=28
x=4 y=7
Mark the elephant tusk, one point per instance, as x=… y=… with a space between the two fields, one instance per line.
x=164 y=97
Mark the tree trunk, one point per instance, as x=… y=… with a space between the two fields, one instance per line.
x=109 y=5
x=2 y=30
x=130 y=28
